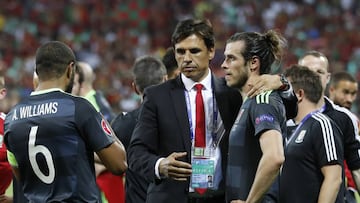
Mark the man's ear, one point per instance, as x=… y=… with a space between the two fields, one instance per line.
x=328 y=78
x=211 y=53
x=70 y=69
x=254 y=64
x=135 y=88
x=3 y=92
x=300 y=95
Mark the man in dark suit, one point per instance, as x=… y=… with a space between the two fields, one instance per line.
x=147 y=71
x=163 y=145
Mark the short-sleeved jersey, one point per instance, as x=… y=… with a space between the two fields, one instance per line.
x=348 y=125
x=314 y=144
x=52 y=135
x=5 y=169
x=261 y=113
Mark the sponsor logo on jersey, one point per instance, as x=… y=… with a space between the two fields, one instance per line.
x=106 y=128
x=300 y=137
x=263 y=118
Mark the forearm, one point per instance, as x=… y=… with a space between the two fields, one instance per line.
x=331 y=183
x=265 y=176
x=328 y=191
x=356 y=176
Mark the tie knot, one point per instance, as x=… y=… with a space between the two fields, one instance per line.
x=198 y=87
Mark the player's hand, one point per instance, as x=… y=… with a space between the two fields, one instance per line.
x=171 y=167
x=5 y=199
x=263 y=83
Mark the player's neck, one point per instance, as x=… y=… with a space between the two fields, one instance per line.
x=321 y=102
x=304 y=108
x=44 y=85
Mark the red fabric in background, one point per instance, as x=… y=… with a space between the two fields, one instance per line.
x=350 y=180
x=112 y=186
x=5 y=169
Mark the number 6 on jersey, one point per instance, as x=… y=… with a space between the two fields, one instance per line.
x=33 y=151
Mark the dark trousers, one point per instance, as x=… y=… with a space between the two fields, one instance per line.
x=208 y=197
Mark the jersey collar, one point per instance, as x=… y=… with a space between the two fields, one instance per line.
x=46 y=91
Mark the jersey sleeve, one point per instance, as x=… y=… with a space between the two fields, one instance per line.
x=123 y=126
x=327 y=144
x=267 y=113
x=93 y=126
x=352 y=142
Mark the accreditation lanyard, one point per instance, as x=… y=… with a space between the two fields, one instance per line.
x=322 y=109
x=214 y=120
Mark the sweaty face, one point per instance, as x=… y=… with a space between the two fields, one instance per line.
x=193 y=57
x=344 y=93
x=320 y=66
x=236 y=71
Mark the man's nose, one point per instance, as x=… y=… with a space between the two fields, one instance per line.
x=187 y=56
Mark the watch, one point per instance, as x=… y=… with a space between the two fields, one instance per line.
x=285 y=83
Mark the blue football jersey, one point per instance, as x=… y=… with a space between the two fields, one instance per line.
x=52 y=136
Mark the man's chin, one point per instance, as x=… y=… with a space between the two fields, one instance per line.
x=228 y=83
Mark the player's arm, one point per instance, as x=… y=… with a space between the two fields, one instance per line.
x=16 y=172
x=114 y=157
x=356 y=176
x=263 y=83
x=331 y=183
x=269 y=165
x=267 y=82
x=13 y=163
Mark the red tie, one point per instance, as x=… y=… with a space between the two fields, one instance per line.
x=200 y=125
x=200 y=118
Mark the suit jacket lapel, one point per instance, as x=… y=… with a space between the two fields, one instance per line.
x=179 y=103
x=220 y=100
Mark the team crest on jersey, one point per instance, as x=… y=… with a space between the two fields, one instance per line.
x=300 y=137
x=106 y=128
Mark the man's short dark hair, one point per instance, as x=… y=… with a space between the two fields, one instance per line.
x=341 y=76
x=52 y=58
x=147 y=71
x=201 y=28
x=301 y=77
x=169 y=61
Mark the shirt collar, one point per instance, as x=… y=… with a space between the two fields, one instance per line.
x=189 y=84
x=46 y=91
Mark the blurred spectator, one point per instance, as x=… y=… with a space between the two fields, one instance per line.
x=111 y=34
x=170 y=63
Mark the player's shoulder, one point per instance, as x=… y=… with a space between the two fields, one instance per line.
x=323 y=121
x=339 y=114
x=268 y=97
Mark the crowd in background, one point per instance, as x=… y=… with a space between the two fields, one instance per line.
x=110 y=34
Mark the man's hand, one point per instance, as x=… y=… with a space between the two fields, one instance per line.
x=170 y=167
x=263 y=83
x=5 y=199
